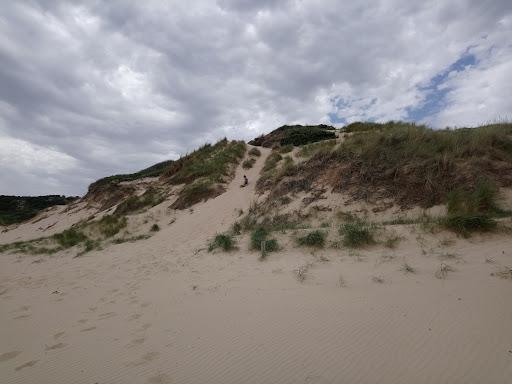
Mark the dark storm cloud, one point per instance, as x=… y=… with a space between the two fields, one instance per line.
x=93 y=88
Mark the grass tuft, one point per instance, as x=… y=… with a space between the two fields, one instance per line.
x=357 y=234
x=313 y=239
x=223 y=241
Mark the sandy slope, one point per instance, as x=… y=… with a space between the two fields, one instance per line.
x=164 y=310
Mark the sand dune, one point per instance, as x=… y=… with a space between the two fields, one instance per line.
x=164 y=310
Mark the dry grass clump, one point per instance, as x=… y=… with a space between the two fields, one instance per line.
x=503 y=273
x=442 y=271
x=302 y=271
x=407 y=268
x=378 y=279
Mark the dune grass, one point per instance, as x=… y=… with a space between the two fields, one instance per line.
x=313 y=239
x=224 y=241
x=357 y=233
x=204 y=171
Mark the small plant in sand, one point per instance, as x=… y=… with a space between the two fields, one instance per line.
x=341 y=282
x=357 y=233
x=155 y=228
x=442 y=271
x=378 y=279
x=392 y=241
x=302 y=271
x=313 y=239
x=260 y=242
x=407 y=268
x=223 y=241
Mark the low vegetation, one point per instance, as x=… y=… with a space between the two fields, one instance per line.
x=223 y=241
x=409 y=164
x=254 y=152
x=312 y=149
x=261 y=242
x=357 y=233
x=134 y=204
x=249 y=163
x=313 y=239
x=204 y=171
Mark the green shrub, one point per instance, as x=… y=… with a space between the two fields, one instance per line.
x=254 y=152
x=271 y=161
x=357 y=233
x=155 y=228
x=286 y=148
x=223 y=241
x=313 y=239
x=247 y=164
x=110 y=225
x=132 y=204
x=260 y=242
x=465 y=224
x=69 y=238
x=257 y=237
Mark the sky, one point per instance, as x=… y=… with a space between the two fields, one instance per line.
x=94 y=88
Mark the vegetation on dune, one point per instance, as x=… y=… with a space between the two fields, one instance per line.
x=133 y=204
x=15 y=209
x=357 y=233
x=295 y=135
x=204 y=170
x=410 y=164
x=153 y=171
x=255 y=152
x=248 y=164
x=473 y=210
x=223 y=241
x=311 y=149
x=213 y=162
x=313 y=239
x=88 y=235
x=261 y=242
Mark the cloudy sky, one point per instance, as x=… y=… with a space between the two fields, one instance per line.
x=94 y=88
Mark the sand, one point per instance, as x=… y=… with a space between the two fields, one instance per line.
x=164 y=310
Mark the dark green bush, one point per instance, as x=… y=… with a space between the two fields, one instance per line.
x=313 y=239
x=223 y=241
x=465 y=224
x=255 y=152
x=69 y=238
x=357 y=233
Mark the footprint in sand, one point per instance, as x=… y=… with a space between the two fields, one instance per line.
x=106 y=315
x=161 y=378
x=9 y=355
x=83 y=321
x=146 y=358
x=26 y=365
x=57 y=335
x=87 y=329
x=20 y=317
x=53 y=347
x=136 y=342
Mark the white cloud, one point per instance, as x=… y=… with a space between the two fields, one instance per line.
x=117 y=86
